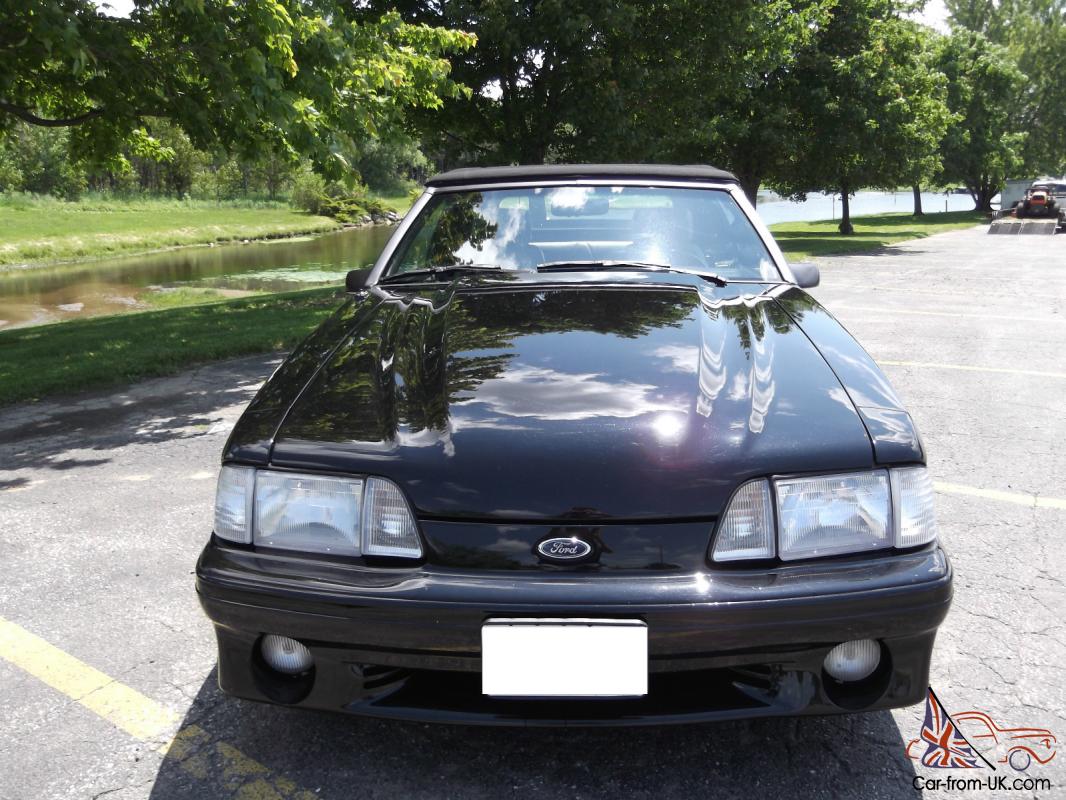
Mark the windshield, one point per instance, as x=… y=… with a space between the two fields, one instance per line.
x=524 y=228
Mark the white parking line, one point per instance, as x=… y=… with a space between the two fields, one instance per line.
x=953 y=314
x=971 y=368
x=1018 y=498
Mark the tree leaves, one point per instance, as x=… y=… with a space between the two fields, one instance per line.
x=287 y=76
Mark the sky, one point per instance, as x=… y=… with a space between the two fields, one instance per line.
x=935 y=14
x=115 y=8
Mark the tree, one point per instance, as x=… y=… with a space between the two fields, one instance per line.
x=389 y=162
x=288 y=76
x=625 y=80
x=869 y=106
x=174 y=174
x=985 y=143
x=913 y=155
x=706 y=81
x=36 y=161
x=1033 y=32
x=536 y=63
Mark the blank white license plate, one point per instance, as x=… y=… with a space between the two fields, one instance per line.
x=564 y=658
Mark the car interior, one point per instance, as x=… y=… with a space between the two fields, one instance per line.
x=523 y=229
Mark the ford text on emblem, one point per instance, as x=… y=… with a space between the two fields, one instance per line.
x=564 y=549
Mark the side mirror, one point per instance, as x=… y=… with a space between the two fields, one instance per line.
x=355 y=280
x=807 y=275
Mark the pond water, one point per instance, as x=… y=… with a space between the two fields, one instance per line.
x=35 y=296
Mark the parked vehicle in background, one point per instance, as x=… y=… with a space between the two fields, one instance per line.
x=1045 y=198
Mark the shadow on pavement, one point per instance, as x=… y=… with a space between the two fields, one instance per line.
x=85 y=430
x=333 y=756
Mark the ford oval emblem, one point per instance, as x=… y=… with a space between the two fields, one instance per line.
x=569 y=549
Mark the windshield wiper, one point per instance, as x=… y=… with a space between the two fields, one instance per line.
x=644 y=266
x=441 y=270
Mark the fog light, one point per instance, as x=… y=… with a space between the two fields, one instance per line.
x=853 y=661
x=285 y=655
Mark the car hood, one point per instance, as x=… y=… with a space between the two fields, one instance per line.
x=565 y=402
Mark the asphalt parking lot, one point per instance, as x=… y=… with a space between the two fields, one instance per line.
x=107 y=663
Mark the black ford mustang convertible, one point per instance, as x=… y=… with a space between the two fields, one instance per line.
x=578 y=450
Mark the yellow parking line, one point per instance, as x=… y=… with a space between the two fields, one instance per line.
x=955 y=314
x=191 y=747
x=1018 y=498
x=969 y=368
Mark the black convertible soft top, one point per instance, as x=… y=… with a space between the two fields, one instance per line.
x=555 y=172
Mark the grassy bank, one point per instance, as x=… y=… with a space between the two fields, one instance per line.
x=43 y=230
x=94 y=353
x=799 y=240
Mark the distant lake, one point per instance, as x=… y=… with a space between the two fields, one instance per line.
x=773 y=209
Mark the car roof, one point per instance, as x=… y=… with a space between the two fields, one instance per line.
x=560 y=172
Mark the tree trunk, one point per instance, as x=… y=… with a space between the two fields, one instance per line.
x=751 y=189
x=989 y=194
x=917 y=200
x=749 y=184
x=845 y=226
x=982 y=195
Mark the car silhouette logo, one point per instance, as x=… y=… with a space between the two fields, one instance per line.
x=1019 y=748
x=568 y=549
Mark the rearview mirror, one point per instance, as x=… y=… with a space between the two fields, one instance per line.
x=355 y=280
x=588 y=206
x=806 y=274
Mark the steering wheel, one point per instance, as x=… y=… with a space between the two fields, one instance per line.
x=687 y=254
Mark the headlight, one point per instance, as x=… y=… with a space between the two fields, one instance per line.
x=315 y=513
x=834 y=514
x=308 y=512
x=828 y=515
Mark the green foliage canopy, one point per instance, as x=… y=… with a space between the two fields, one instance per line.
x=1032 y=34
x=296 y=77
x=705 y=81
x=985 y=146
x=870 y=104
x=537 y=63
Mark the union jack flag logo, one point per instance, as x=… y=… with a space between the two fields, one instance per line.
x=946 y=747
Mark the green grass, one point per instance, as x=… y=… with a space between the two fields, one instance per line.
x=400 y=202
x=188 y=296
x=106 y=351
x=799 y=240
x=43 y=230
x=185 y=296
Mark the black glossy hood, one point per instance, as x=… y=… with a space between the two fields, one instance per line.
x=568 y=402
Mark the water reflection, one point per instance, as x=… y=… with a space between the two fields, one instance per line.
x=434 y=362
x=425 y=356
x=117 y=285
x=537 y=401
x=548 y=394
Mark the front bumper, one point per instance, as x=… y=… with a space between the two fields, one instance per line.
x=722 y=643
